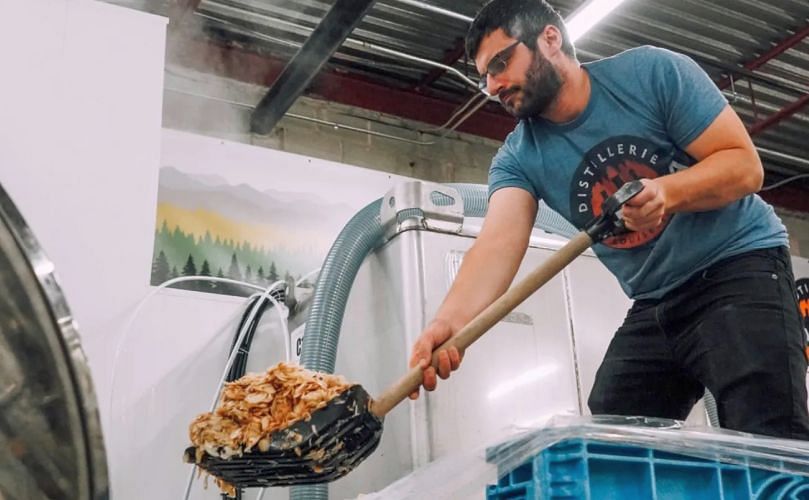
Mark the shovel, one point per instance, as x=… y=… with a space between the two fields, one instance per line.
x=339 y=436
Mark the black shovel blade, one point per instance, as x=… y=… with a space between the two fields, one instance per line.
x=329 y=445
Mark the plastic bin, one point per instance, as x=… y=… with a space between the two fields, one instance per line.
x=588 y=469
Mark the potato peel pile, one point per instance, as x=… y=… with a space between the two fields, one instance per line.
x=256 y=405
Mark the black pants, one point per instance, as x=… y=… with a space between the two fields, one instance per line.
x=734 y=328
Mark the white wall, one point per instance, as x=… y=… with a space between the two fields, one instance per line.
x=81 y=101
x=81 y=138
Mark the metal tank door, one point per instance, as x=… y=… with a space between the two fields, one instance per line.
x=50 y=432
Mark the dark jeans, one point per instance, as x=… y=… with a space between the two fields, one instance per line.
x=734 y=328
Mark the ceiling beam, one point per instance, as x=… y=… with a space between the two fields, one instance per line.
x=179 y=9
x=779 y=115
x=332 y=31
x=353 y=90
x=778 y=49
x=450 y=57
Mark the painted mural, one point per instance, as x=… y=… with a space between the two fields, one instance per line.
x=250 y=214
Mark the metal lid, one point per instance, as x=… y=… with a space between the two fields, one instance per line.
x=50 y=433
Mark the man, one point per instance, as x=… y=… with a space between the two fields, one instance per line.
x=706 y=263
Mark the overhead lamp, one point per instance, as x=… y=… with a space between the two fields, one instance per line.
x=588 y=16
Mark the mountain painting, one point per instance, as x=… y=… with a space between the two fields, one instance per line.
x=208 y=227
x=250 y=214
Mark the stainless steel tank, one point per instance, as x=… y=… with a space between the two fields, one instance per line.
x=50 y=433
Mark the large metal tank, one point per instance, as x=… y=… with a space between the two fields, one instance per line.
x=50 y=434
x=519 y=373
x=539 y=362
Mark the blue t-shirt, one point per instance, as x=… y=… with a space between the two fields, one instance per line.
x=646 y=106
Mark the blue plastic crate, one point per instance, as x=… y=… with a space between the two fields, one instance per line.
x=580 y=469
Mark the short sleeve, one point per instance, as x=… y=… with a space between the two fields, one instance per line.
x=506 y=169
x=687 y=98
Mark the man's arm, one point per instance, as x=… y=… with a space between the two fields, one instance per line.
x=486 y=273
x=727 y=169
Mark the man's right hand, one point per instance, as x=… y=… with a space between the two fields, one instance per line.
x=436 y=333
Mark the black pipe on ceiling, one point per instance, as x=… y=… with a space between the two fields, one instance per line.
x=334 y=28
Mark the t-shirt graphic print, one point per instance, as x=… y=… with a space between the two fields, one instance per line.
x=607 y=167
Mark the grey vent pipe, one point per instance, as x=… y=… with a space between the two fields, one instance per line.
x=364 y=233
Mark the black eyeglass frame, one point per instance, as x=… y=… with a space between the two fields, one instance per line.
x=497 y=64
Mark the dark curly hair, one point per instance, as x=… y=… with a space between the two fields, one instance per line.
x=520 y=19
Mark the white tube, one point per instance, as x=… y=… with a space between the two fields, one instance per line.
x=152 y=293
x=239 y=339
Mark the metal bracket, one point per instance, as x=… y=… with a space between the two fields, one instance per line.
x=422 y=205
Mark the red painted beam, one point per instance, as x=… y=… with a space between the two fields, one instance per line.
x=779 y=116
x=450 y=56
x=790 y=197
x=239 y=64
x=774 y=52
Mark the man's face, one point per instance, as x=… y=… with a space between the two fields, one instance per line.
x=527 y=84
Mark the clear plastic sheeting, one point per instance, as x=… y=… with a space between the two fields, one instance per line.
x=466 y=475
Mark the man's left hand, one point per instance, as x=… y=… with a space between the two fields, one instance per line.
x=646 y=210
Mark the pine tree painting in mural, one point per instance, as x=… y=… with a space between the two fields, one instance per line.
x=234 y=272
x=190 y=269
x=207 y=286
x=161 y=272
x=238 y=260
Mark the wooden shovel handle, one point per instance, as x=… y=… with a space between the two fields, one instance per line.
x=484 y=321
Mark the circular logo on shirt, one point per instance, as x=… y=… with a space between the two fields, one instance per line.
x=604 y=169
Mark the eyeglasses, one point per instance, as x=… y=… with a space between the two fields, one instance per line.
x=497 y=65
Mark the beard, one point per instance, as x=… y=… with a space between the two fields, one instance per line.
x=542 y=85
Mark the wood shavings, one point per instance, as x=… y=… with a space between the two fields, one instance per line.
x=256 y=405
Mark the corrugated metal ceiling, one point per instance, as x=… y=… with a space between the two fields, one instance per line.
x=721 y=35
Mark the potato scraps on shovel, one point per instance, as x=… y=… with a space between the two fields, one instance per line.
x=256 y=405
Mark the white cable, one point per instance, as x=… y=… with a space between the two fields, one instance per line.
x=253 y=312
x=152 y=293
x=260 y=495
x=284 y=326
x=231 y=359
x=239 y=339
